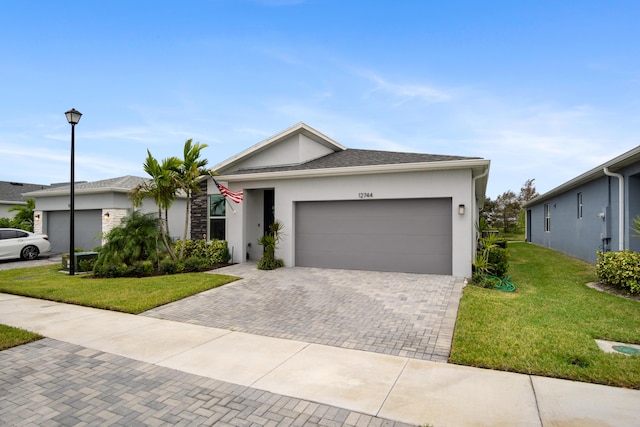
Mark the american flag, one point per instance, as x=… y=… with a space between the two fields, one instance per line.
x=235 y=196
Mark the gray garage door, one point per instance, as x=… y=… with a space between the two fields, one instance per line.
x=88 y=225
x=409 y=235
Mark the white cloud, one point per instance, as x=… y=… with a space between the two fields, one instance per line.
x=401 y=92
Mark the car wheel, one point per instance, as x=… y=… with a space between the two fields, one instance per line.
x=29 y=252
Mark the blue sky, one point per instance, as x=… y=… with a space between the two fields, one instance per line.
x=544 y=89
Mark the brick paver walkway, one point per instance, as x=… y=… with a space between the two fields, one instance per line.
x=408 y=315
x=51 y=383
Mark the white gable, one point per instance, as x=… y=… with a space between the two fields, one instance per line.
x=298 y=144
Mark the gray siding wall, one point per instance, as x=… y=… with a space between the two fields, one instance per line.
x=580 y=238
x=632 y=191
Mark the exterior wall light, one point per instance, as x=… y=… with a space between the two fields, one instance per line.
x=37 y=217
x=460 y=209
x=106 y=215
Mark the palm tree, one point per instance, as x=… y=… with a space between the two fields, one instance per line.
x=24 y=217
x=162 y=188
x=192 y=168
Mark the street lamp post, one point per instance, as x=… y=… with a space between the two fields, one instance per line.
x=73 y=117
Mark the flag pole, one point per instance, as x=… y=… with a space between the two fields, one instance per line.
x=225 y=197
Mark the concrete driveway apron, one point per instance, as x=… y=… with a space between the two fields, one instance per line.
x=400 y=314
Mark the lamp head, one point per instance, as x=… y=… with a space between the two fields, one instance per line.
x=73 y=116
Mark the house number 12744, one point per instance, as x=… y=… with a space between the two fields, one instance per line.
x=365 y=195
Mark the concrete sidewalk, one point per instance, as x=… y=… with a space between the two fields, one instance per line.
x=392 y=387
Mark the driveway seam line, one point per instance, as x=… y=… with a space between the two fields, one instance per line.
x=406 y=362
x=252 y=385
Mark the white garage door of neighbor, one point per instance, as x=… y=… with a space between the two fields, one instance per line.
x=407 y=235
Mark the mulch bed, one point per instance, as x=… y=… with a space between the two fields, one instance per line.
x=614 y=290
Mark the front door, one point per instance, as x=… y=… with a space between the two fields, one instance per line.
x=269 y=209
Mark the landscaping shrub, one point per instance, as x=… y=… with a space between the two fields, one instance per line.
x=86 y=264
x=620 y=269
x=270 y=243
x=170 y=266
x=216 y=251
x=491 y=260
x=140 y=269
x=498 y=262
x=196 y=264
x=109 y=270
x=135 y=239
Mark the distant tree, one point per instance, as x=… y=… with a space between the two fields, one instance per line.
x=23 y=219
x=488 y=211
x=507 y=210
x=528 y=191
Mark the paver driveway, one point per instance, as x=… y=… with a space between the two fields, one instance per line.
x=409 y=315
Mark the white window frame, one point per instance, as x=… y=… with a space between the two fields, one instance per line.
x=580 y=205
x=222 y=216
x=547 y=217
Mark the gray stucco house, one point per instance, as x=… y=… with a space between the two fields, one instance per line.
x=347 y=208
x=11 y=194
x=99 y=207
x=591 y=212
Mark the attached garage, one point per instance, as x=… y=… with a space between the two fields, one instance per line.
x=405 y=235
x=349 y=208
x=87 y=230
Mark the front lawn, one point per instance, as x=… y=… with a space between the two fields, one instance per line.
x=129 y=295
x=12 y=337
x=548 y=326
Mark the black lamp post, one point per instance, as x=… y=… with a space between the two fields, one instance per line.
x=73 y=117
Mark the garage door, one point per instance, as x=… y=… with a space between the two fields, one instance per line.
x=409 y=235
x=88 y=225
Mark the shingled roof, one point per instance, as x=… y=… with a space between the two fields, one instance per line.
x=355 y=157
x=12 y=191
x=121 y=184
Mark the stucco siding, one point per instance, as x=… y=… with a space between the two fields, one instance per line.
x=290 y=151
x=453 y=184
x=578 y=237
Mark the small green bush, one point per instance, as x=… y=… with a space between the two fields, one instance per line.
x=498 y=262
x=170 y=266
x=270 y=263
x=270 y=243
x=86 y=264
x=196 y=264
x=216 y=251
x=140 y=269
x=620 y=269
x=109 y=270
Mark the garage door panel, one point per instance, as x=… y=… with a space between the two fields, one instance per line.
x=387 y=235
x=88 y=224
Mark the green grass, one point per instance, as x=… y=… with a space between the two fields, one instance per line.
x=11 y=337
x=548 y=326
x=129 y=295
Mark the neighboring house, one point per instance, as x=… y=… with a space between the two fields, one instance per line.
x=11 y=195
x=348 y=208
x=590 y=212
x=99 y=207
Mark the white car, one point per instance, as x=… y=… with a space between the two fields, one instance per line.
x=15 y=243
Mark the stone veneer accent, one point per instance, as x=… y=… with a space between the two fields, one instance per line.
x=111 y=222
x=37 y=223
x=199 y=212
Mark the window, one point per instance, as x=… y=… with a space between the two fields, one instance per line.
x=12 y=234
x=547 y=217
x=217 y=217
x=579 y=205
